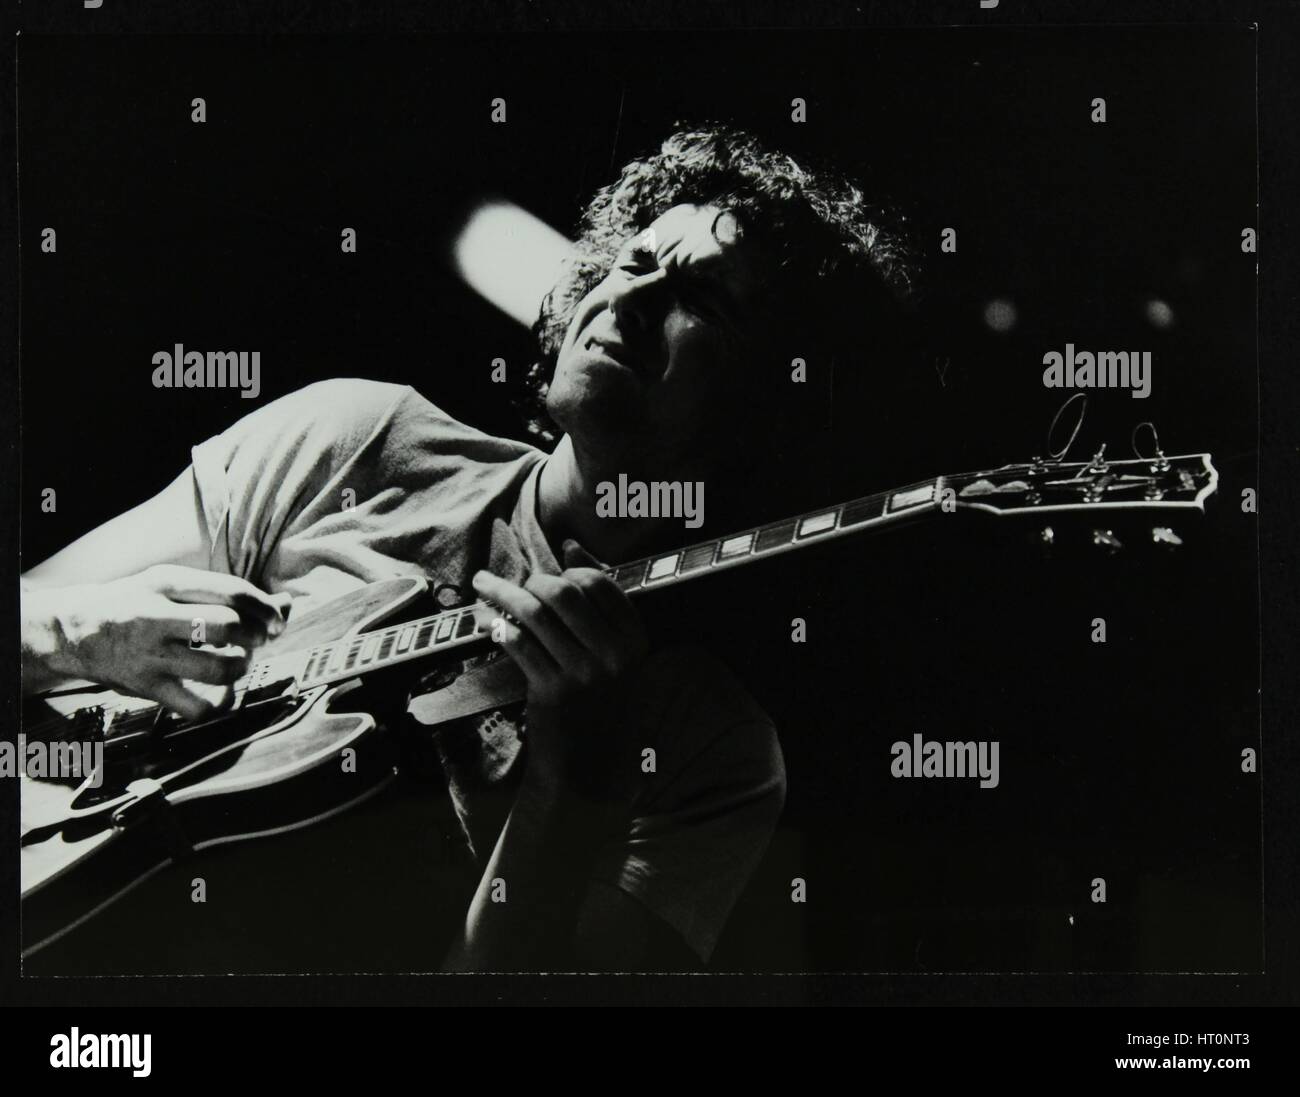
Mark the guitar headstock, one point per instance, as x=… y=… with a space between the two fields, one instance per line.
x=1154 y=491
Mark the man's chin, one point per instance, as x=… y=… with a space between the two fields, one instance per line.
x=602 y=411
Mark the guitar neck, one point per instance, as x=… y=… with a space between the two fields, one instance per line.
x=762 y=541
x=350 y=656
x=1158 y=488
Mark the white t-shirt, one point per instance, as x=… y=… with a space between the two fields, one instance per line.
x=347 y=482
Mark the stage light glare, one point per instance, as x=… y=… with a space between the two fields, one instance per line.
x=509 y=257
x=1160 y=314
x=1000 y=315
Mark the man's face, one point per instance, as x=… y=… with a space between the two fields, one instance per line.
x=653 y=350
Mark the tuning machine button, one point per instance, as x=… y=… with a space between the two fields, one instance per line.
x=1104 y=538
x=1046 y=537
x=1165 y=537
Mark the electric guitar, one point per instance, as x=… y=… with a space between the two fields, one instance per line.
x=290 y=750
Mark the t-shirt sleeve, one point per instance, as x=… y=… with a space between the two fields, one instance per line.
x=253 y=478
x=703 y=819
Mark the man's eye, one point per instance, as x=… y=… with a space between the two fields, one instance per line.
x=639 y=263
x=687 y=293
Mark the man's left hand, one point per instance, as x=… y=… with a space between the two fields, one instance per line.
x=574 y=636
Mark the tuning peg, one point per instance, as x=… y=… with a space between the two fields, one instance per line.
x=1045 y=537
x=1165 y=537
x=1104 y=538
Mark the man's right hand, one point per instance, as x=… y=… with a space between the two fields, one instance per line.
x=149 y=635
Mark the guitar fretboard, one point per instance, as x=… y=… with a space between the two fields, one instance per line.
x=343 y=659
x=740 y=548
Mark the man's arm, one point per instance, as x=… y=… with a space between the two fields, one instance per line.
x=118 y=607
x=525 y=910
x=537 y=905
x=166 y=529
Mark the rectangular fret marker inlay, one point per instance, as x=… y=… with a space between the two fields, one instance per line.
x=444 y=628
x=368 y=648
x=817 y=523
x=404 y=641
x=629 y=576
x=735 y=546
x=662 y=568
x=901 y=500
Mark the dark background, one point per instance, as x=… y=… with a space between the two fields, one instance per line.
x=1119 y=761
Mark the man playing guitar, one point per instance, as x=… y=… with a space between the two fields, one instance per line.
x=699 y=275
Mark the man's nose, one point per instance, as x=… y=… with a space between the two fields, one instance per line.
x=636 y=303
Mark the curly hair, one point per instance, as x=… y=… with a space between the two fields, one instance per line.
x=843 y=261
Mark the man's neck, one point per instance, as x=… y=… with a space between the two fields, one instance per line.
x=566 y=498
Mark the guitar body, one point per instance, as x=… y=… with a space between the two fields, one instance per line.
x=267 y=768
